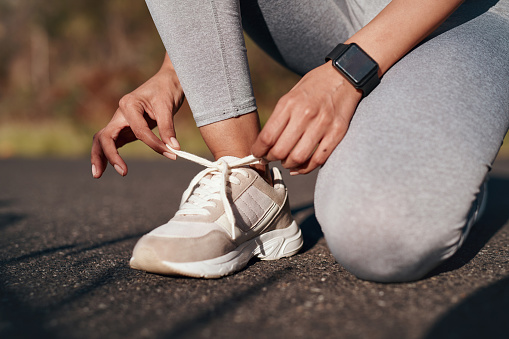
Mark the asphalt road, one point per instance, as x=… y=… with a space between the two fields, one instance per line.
x=65 y=241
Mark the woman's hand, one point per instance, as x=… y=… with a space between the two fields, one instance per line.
x=152 y=104
x=309 y=122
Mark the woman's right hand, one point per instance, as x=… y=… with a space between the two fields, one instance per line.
x=152 y=104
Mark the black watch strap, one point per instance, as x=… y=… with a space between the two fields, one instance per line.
x=336 y=52
x=370 y=85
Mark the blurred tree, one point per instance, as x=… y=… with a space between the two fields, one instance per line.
x=60 y=56
x=71 y=61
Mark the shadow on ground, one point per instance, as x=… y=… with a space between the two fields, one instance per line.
x=194 y=325
x=15 y=314
x=311 y=230
x=19 y=319
x=485 y=314
x=8 y=219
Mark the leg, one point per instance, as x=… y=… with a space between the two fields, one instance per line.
x=234 y=137
x=205 y=43
x=228 y=214
x=407 y=174
x=288 y=32
x=219 y=89
x=209 y=55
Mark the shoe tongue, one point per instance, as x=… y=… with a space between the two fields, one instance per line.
x=228 y=159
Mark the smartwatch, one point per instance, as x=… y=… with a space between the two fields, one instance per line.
x=356 y=66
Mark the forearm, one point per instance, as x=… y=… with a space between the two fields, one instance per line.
x=400 y=27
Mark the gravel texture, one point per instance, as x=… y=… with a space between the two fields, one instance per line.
x=65 y=241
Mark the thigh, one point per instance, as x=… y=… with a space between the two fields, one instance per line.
x=297 y=33
x=394 y=197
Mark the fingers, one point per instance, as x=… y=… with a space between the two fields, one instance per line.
x=133 y=111
x=303 y=150
x=308 y=122
x=111 y=153
x=270 y=133
x=104 y=150
x=135 y=118
x=290 y=136
x=293 y=131
x=97 y=157
x=306 y=140
x=164 y=118
x=316 y=151
x=317 y=159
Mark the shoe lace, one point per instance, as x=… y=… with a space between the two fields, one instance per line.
x=203 y=190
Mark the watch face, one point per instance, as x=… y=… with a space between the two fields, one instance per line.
x=356 y=64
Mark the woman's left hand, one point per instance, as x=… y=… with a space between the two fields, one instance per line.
x=309 y=121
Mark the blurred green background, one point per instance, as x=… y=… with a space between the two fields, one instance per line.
x=64 y=65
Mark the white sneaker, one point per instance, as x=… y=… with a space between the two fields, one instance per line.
x=228 y=215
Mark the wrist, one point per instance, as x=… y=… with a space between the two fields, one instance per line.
x=337 y=80
x=167 y=64
x=167 y=71
x=356 y=66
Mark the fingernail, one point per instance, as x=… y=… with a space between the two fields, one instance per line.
x=174 y=143
x=170 y=155
x=94 y=171
x=119 y=170
x=294 y=173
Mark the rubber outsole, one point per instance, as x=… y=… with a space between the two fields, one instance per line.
x=268 y=246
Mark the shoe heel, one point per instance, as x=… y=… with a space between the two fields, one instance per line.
x=280 y=243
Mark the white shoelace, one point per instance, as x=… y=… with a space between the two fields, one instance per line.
x=214 y=187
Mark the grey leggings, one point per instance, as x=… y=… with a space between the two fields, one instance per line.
x=398 y=194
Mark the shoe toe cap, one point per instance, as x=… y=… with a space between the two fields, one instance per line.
x=153 y=251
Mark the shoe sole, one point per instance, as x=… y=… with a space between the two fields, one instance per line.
x=268 y=246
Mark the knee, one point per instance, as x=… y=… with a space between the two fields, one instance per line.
x=391 y=223
x=383 y=259
x=381 y=242
x=377 y=251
